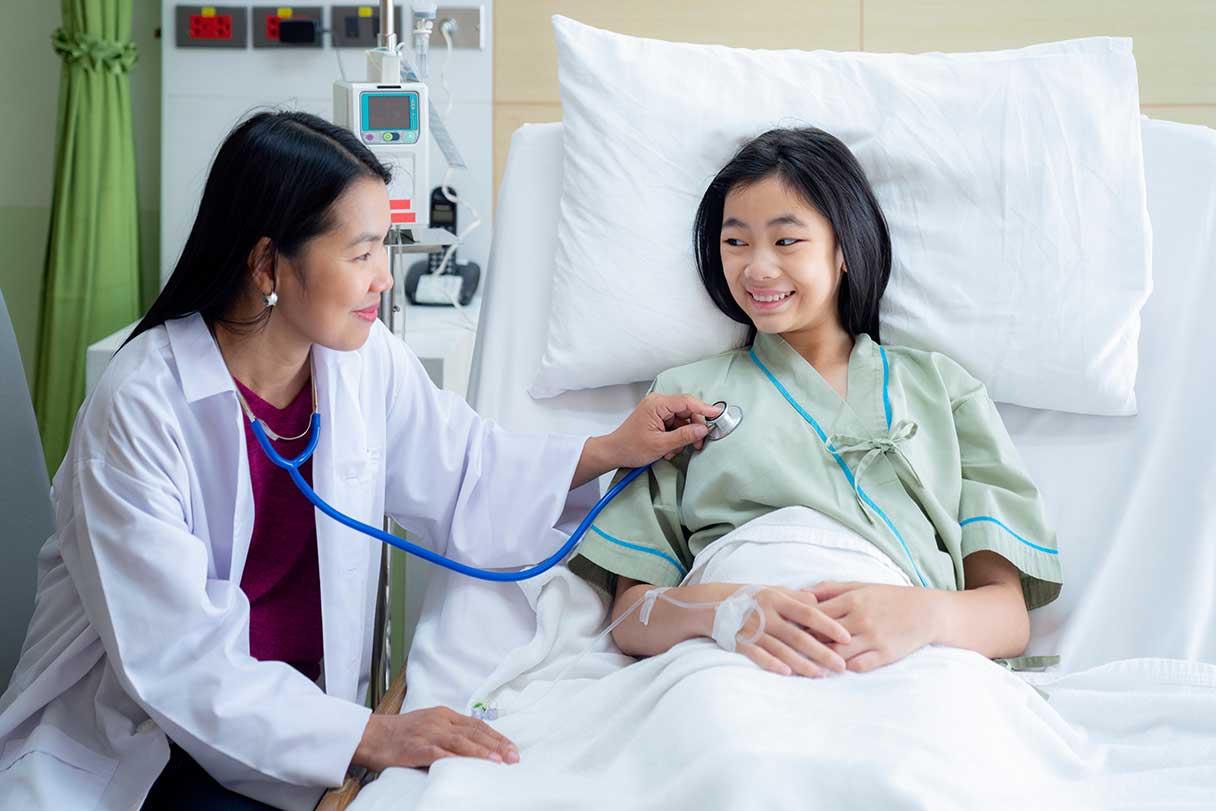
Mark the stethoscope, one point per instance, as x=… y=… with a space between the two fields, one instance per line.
x=721 y=426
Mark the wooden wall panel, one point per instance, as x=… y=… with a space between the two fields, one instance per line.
x=525 y=56
x=510 y=117
x=1175 y=40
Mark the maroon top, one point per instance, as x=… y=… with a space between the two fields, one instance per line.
x=282 y=579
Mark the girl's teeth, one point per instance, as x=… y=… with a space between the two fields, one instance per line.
x=767 y=299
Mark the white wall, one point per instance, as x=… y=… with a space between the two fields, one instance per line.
x=207 y=91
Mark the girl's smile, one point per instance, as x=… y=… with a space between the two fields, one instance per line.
x=767 y=300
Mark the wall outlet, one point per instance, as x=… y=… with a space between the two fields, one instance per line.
x=357 y=26
x=218 y=26
x=210 y=26
x=266 y=21
x=470 y=33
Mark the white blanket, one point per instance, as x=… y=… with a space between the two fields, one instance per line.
x=698 y=727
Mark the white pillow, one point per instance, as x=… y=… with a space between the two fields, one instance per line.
x=1012 y=181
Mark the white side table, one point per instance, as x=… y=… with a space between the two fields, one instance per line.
x=443 y=339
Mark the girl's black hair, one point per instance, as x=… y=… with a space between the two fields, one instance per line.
x=276 y=175
x=822 y=170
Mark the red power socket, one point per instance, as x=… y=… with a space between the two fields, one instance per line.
x=216 y=27
x=272 y=28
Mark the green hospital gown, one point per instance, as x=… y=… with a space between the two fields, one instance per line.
x=916 y=460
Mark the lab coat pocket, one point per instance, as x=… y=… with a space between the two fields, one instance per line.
x=361 y=468
x=61 y=767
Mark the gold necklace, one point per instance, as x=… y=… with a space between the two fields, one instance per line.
x=312 y=373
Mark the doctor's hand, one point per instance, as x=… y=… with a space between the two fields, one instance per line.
x=419 y=738
x=886 y=622
x=661 y=426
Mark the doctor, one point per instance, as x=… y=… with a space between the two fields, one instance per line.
x=202 y=636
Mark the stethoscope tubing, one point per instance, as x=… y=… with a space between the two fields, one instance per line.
x=292 y=466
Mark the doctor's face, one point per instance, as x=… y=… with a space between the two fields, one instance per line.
x=330 y=294
x=780 y=258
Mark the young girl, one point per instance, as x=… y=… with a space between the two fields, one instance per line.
x=901 y=446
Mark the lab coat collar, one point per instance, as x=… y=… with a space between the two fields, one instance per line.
x=339 y=470
x=204 y=373
x=198 y=359
x=344 y=479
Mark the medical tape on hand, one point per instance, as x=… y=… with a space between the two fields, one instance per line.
x=731 y=615
x=648 y=602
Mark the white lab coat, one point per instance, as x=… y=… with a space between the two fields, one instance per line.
x=141 y=630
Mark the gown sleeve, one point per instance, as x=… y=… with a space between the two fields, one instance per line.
x=1000 y=508
x=639 y=534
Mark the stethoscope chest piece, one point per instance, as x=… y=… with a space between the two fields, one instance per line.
x=726 y=421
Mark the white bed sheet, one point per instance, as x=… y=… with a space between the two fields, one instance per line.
x=697 y=727
x=1131 y=498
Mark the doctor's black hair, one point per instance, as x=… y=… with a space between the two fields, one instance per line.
x=276 y=175
x=823 y=172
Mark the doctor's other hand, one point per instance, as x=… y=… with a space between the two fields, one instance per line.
x=419 y=738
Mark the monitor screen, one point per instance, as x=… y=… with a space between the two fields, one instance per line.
x=388 y=112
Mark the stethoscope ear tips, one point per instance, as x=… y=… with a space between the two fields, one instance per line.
x=728 y=420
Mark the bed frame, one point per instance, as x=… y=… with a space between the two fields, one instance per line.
x=338 y=799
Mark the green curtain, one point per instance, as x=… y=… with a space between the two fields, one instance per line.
x=91 y=272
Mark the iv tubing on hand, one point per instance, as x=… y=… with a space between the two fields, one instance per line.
x=739 y=606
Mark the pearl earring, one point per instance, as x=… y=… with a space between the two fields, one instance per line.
x=272 y=298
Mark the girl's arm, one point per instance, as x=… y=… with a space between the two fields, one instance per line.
x=990 y=616
x=1010 y=560
x=890 y=622
x=793 y=628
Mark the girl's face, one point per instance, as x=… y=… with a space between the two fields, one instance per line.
x=330 y=294
x=780 y=258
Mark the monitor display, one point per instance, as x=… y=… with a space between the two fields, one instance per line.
x=386 y=112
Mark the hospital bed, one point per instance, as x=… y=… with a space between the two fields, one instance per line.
x=1133 y=498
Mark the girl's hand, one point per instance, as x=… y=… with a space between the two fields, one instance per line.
x=886 y=622
x=793 y=629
